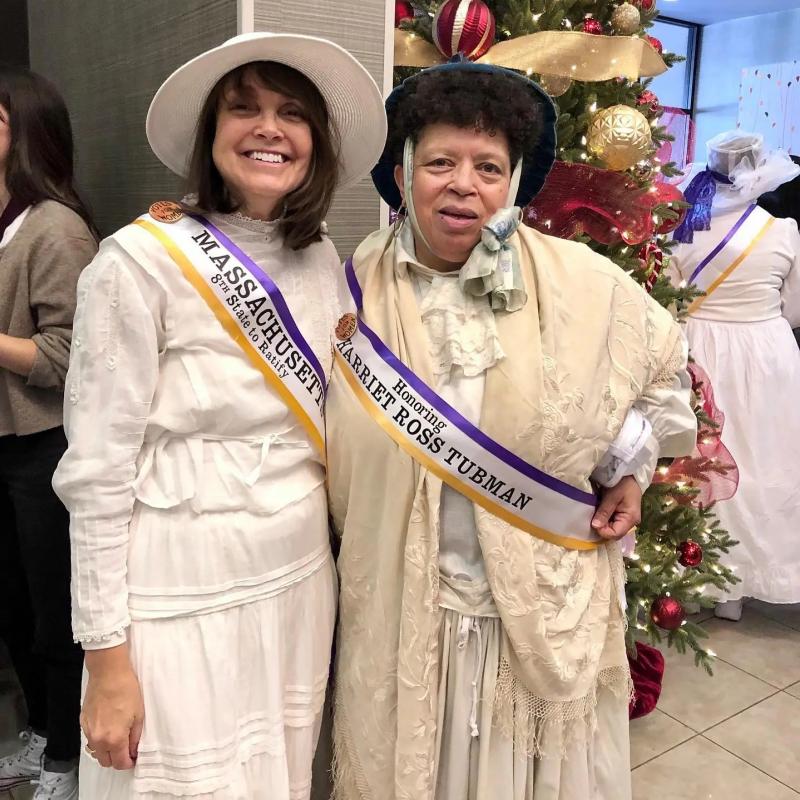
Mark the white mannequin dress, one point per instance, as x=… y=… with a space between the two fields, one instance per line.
x=742 y=336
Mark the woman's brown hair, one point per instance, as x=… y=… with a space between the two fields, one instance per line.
x=40 y=163
x=305 y=208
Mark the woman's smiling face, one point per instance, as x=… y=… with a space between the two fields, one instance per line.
x=461 y=178
x=263 y=146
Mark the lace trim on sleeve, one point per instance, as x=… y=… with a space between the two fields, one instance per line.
x=96 y=638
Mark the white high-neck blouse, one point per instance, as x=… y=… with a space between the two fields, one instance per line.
x=184 y=469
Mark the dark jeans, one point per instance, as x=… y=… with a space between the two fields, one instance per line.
x=34 y=588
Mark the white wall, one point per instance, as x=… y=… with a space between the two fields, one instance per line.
x=727 y=48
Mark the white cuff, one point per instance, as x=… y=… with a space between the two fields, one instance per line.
x=628 y=453
x=103 y=641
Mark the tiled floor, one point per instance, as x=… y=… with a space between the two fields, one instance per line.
x=735 y=736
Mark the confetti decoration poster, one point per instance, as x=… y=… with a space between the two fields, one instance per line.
x=769 y=104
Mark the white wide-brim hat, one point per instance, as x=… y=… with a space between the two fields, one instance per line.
x=355 y=105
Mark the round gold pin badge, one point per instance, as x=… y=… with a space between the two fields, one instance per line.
x=165 y=211
x=346 y=327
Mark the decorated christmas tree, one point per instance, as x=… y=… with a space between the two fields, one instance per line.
x=609 y=190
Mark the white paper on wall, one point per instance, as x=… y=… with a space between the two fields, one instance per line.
x=769 y=104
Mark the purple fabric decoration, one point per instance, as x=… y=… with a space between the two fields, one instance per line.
x=700 y=193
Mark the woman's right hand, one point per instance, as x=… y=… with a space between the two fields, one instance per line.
x=113 y=710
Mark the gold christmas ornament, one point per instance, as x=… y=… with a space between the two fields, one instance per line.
x=620 y=136
x=626 y=19
x=555 y=85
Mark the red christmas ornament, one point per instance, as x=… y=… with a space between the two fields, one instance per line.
x=463 y=26
x=643 y=4
x=667 y=613
x=690 y=553
x=648 y=98
x=655 y=43
x=593 y=26
x=403 y=11
x=667 y=193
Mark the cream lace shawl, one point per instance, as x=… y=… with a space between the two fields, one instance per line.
x=588 y=343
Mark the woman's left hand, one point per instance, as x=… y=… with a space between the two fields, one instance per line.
x=620 y=509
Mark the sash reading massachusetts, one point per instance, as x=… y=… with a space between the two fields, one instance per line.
x=734 y=248
x=439 y=438
x=250 y=308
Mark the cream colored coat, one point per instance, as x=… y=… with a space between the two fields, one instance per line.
x=587 y=345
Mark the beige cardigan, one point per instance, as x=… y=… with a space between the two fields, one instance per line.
x=39 y=271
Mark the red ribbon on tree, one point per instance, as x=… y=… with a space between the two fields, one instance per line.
x=711 y=469
x=607 y=205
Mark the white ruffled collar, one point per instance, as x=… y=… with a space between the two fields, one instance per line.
x=267 y=227
x=461 y=328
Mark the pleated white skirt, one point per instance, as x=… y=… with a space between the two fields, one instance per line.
x=233 y=700
x=755 y=371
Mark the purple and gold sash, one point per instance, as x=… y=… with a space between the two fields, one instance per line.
x=250 y=308
x=729 y=254
x=439 y=438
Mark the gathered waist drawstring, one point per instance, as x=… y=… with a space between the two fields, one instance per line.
x=467 y=625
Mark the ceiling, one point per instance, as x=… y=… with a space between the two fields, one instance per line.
x=707 y=12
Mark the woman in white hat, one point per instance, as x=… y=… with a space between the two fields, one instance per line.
x=203 y=587
x=748 y=264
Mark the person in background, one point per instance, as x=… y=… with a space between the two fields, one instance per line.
x=204 y=590
x=740 y=332
x=46 y=239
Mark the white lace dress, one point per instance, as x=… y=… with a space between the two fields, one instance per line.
x=199 y=523
x=475 y=761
